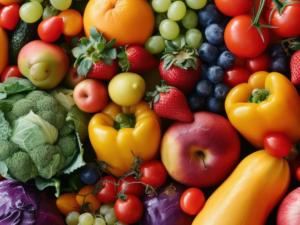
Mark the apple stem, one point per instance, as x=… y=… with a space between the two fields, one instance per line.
x=202 y=157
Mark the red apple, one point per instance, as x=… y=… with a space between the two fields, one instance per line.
x=90 y=95
x=72 y=78
x=202 y=153
x=289 y=209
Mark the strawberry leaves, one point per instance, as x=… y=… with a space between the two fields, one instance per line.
x=92 y=50
x=123 y=59
x=153 y=97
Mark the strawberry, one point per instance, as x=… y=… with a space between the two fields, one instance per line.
x=171 y=103
x=95 y=58
x=180 y=67
x=136 y=59
x=295 y=68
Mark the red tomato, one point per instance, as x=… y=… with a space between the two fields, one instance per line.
x=73 y=22
x=11 y=71
x=236 y=75
x=234 y=8
x=109 y=193
x=80 y=35
x=288 y=22
x=277 y=145
x=154 y=173
x=298 y=174
x=9 y=16
x=192 y=201
x=258 y=63
x=129 y=211
x=135 y=189
x=257 y=4
x=50 y=29
x=243 y=40
x=239 y=61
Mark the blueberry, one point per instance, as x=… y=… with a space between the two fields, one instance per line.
x=280 y=64
x=89 y=174
x=208 y=52
x=224 y=21
x=222 y=48
x=195 y=101
x=203 y=75
x=208 y=15
x=214 y=33
x=215 y=105
x=275 y=50
x=221 y=91
x=226 y=60
x=215 y=74
x=204 y=88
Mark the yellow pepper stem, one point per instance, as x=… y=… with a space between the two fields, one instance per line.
x=124 y=120
x=259 y=95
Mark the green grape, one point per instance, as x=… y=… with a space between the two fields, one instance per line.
x=72 y=218
x=169 y=29
x=61 y=4
x=196 y=4
x=194 y=38
x=86 y=219
x=110 y=216
x=49 y=11
x=190 y=20
x=161 y=5
x=120 y=223
x=105 y=208
x=176 y=11
x=31 y=12
x=159 y=18
x=99 y=221
x=177 y=41
x=39 y=1
x=155 y=44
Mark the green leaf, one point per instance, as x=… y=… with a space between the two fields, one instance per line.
x=171 y=46
x=106 y=61
x=15 y=87
x=51 y=169
x=156 y=98
x=77 y=52
x=95 y=34
x=110 y=44
x=3 y=96
x=154 y=93
x=182 y=42
x=85 y=40
x=109 y=54
x=100 y=47
x=170 y=64
x=4 y=171
x=124 y=64
x=295 y=47
x=78 y=60
x=42 y=183
x=64 y=96
x=192 y=63
x=83 y=47
x=95 y=57
x=74 y=40
x=85 y=66
x=122 y=55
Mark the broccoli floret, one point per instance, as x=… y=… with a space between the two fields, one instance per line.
x=16 y=97
x=36 y=95
x=10 y=117
x=22 y=81
x=6 y=105
x=21 y=167
x=53 y=167
x=42 y=155
x=68 y=144
x=7 y=149
x=23 y=107
x=66 y=129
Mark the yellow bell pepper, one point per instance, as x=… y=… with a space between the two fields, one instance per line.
x=3 y=50
x=117 y=131
x=268 y=103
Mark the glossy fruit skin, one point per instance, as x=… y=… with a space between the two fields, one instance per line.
x=277 y=145
x=208 y=52
x=215 y=105
x=137 y=190
x=11 y=71
x=226 y=60
x=215 y=74
x=214 y=33
x=259 y=63
x=238 y=200
x=9 y=16
x=208 y=15
x=287 y=23
x=67 y=203
x=298 y=174
x=221 y=90
x=89 y=174
x=295 y=68
x=204 y=88
x=239 y=61
x=90 y=198
x=195 y=101
x=109 y=193
x=233 y=8
x=8 y=2
x=192 y=201
x=3 y=50
x=154 y=173
x=50 y=29
x=129 y=21
x=236 y=75
x=129 y=211
x=245 y=42
x=275 y=50
x=72 y=78
x=281 y=64
x=72 y=22
x=101 y=71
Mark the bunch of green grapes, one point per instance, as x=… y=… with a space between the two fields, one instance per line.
x=174 y=20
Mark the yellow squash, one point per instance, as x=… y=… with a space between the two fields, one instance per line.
x=249 y=194
x=3 y=50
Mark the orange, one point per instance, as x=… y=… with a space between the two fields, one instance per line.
x=129 y=21
x=3 y=50
x=67 y=203
x=90 y=198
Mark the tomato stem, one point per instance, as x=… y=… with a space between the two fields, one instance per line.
x=278 y=3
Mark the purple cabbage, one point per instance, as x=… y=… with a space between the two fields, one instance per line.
x=163 y=208
x=24 y=204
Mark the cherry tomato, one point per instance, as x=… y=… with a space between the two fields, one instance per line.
x=277 y=145
x=89 y=198
x=50 y=29
x=258 y=63
x=257 y=4
x=192 y=201
x=243 y=40
x=154 y=173
x=135 y=189
x=236 y=75
x=109 y=193
x=294 y=167
x=129 y=211
x=234 y=8
x=67 y=203
x=9 y=16
x=69 y=38
x=288 y=22
x=239 y=61
x=11 y=71
x=73 y=22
